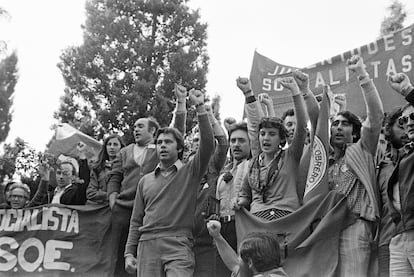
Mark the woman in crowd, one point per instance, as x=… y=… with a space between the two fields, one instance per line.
x=96 y=192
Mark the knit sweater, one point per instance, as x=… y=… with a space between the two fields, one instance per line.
x=165 y=205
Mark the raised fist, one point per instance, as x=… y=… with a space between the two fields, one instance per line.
x=302 y=79
x=196 y=97
x=244 y=84
x=290 y=84
x=264 y=98
x=400 y=83
x=214 y=227
x=180 y=92
x=356 y=64
x=229 y=122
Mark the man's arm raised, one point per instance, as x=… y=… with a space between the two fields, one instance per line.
x=206 y=149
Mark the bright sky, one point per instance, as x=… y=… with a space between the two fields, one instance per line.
x=296 y=33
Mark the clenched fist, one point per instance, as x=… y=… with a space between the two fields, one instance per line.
x=302 y=79
x=196 y=97
x=244 y=85
x=356 y=64
x=290 y=84
x=400 y=83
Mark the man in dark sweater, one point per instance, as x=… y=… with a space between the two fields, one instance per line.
x=401 y=188
x=160 y=234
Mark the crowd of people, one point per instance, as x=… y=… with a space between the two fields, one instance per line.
x=173 y=205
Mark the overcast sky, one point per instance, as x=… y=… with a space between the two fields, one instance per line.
x=296 y=33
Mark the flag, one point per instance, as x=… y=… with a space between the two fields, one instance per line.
x=67 y=140
x=308 y=237
x=317 y=179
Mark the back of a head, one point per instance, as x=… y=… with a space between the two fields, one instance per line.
x=262 y=249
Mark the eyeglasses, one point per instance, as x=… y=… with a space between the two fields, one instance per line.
x=403 y=120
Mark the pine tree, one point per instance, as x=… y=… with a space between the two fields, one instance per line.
x=133 y=53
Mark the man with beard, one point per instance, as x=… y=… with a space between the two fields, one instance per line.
x=131 y=163
x=395 y=138
x=401 y=188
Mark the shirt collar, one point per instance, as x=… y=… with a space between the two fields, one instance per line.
x=58 y=189
x=175 y=166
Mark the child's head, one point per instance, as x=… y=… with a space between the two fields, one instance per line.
x=260 y=251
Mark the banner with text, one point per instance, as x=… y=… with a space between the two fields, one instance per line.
x=389 y=54
x=55 y=240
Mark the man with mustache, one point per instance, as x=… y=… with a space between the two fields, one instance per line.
x=401 y=187
x=241 y=137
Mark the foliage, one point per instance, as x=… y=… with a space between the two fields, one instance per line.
x=133 y=53
x=394 y=21
x=8 y=80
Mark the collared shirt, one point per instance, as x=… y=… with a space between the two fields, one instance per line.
x=227 y=192
x=342 y=179
x=167 y=171
x=58 y=194
x=140 y=153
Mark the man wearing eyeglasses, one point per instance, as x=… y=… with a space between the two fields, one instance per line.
x=401 y=187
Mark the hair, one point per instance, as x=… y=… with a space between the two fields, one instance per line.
x=153 y=123
x=22 y=186
x=389 y=121
x=289 y=112
x=71 y=164
x=238 y=126
x=262 y=249
x=274 y=122
x=103 y=153
x=177 y=136
x=355 y=122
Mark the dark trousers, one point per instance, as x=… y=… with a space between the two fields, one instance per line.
x=228 y=231
x=205 y=261
x=120 y=228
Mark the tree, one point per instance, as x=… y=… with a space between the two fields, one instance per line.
x=133 y=53
x=8 y=80
x=394 y=21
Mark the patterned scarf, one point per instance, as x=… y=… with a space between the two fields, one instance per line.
x=254 y=172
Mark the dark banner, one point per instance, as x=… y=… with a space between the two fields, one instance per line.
x=389 y=54
x=55 y=240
